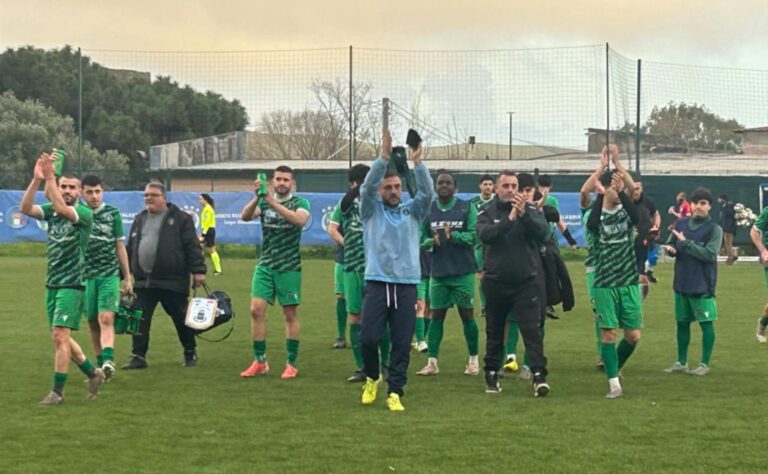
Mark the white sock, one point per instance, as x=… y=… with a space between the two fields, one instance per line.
x=432 y=361
x=511 y=357
x=614 y=383
x=473 y=360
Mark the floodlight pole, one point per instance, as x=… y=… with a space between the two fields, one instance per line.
x=351 y=114
x=510 y=134
x=637 y=119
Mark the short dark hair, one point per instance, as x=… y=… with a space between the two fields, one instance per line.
x=445 y=171
x=207 y=198
x=283 y=169
x=723 y=197
x=545 y=180
x=91 y=180
x=357 y=173
x=507 y=173
x=392 y=174
x=636 y=177
x=701 y=194
x=486 y=177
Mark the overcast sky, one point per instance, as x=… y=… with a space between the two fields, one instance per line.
x=707 y=32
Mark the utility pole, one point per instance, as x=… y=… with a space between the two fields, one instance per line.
x=510 y=134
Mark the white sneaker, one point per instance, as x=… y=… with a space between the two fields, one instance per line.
x=421 y=346
x=109 y=370
x=472 y=368
x=760 y=333
x=676 y=367
x=94 y=383
x=525 y=373
x=614 y=393
x=702 y=369
x=430 y=369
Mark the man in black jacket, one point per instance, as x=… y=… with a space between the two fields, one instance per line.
x=512 y=230
x=163 y=251
x=728 y=223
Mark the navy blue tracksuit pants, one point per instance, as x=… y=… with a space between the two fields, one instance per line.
x=394 y=305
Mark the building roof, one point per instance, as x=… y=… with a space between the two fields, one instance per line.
x=757 y=129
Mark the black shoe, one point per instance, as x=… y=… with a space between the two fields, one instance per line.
x=190 y=359
x=540 y=385
x=358 y=376
x=600 y=365
x=492 y=382
x=650 y=276
x=340 y=344
x=135 y=362
x=551 y=313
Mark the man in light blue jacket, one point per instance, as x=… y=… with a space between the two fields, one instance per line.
x=392 y=269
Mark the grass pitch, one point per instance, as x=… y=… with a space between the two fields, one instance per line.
x=207 y=419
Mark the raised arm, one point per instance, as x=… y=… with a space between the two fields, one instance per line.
x=704 y=252
x=629 y=183
x=27 y=205
x=298 y=217
x=252 y=210
x=424 y=188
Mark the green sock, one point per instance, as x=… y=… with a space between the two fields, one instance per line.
x=260 y=350
x=292 y=350
x=598 y=332
x=341 y=317
x=427 y=323
x=683 y=340
x=610 y=359
x=435 y=337
x=764 y=320
x=419 y=329
x=108 y=355
x=471 y=336
x=624 y=350
x=513 y=334
x=385 y=348
x=354 y=339
x=86 y=367
x=100 y=359
x=707 y=341
x=59 y=379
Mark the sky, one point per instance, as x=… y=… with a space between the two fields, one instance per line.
x=555 y=94
x=712 y=32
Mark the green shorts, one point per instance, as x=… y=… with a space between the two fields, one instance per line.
x=267 y=283
x=422 y=290
x=354 y=283
x=690 y=308
x=64 y=307
x=447 y=291
x=618 y=307
x=338 y=278
x=101 y=294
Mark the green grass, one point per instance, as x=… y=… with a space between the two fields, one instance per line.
x=207 y=419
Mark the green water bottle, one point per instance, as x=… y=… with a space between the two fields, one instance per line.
x=263 y=188
x=58 y=160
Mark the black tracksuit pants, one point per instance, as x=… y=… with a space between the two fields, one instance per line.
x=394 y=305
x=175 y=304
x=527 y=303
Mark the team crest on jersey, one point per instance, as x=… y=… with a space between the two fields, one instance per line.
x=327 y=211
x=406 y=211
x=192 y=211
x=16 y=219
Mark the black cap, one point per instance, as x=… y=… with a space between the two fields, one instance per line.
x=701 y=193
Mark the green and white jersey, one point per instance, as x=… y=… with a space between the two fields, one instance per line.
x=67 y=243
x=615 y=253
x=761 y=224
x=281 y=239
x=101 y=256
x=352 y=229
x=591 y=238
x=479 y=204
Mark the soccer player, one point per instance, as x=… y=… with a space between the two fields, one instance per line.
x=278 y=273
x=728 y=223
x=759 y=236
x=485 y=196
x=695 y=241
x=512 y=230
x=451 y=223
x=423 y=311
x=69 y=223
x=391 y=235
x=616 y=292
x=105 y=259
x=346 y=229
x=208 y=230
x=647 y=232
